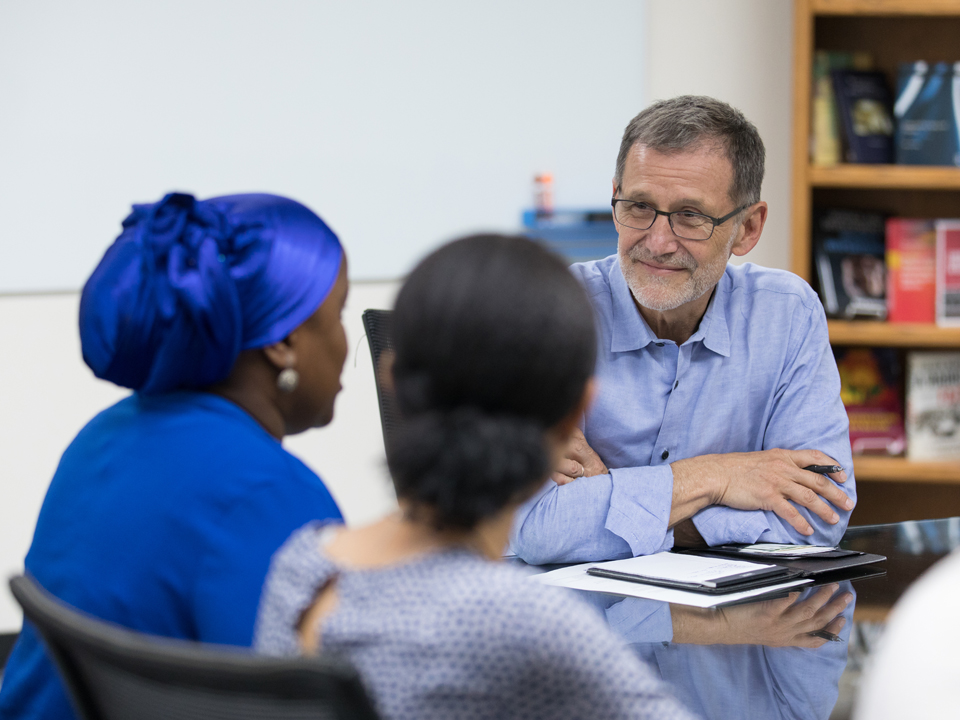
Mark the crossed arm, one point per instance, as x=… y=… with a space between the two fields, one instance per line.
x=772 y=480
x=607 y=514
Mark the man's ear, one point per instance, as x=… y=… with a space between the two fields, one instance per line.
x=750 y=229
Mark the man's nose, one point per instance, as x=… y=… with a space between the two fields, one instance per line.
x=660 y=238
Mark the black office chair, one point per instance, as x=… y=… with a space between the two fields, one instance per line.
x=7 y=641
x=112 y=673
x=376 y=323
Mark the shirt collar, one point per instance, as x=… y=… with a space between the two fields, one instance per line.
x=630 y=332
x=713 y=329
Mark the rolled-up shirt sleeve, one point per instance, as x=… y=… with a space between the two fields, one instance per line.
x=622 y=514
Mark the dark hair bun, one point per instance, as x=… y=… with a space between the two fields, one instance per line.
x=466 y=465
x=494 y=342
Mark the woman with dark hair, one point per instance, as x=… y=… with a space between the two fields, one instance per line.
x=223 y=316
x=495 y=347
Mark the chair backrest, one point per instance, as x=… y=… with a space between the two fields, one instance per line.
x=376 y=323
x=111 y=673
x=7 y=641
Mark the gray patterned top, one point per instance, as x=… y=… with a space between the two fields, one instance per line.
x=451 y=635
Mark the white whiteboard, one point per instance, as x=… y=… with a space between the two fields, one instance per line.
x=440 y=112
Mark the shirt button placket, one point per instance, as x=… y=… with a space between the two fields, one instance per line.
x=668 y=429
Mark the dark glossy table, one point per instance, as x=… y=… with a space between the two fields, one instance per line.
x=757 y=659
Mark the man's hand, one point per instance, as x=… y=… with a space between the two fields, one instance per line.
x=579 y=460
x=766 y=480
x=776 y=623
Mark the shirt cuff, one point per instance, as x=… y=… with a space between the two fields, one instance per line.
x=720 y=525
x=640 y=503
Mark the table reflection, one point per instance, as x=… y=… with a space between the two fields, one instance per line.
x=753 y=660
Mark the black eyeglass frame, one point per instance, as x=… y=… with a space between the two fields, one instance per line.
x=669 y=216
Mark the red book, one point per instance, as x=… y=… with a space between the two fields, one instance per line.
x=948 y=273
x=911 y=270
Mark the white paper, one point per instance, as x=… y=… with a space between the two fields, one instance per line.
x=682 y=568
x=775 y=549
x=575 y=577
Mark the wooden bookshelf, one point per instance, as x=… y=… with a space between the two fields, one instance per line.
x=892 y=31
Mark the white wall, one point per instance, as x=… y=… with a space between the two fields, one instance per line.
x=402 y=123
x=738 y=51
x=46 y=395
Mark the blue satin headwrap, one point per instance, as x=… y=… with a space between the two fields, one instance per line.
x=190 y=283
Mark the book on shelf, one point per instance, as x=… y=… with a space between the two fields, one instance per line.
x=926 y=112
x=933 y=405
x=870 y=382
x=911 y=270
x=849 y=249
x=948 y=273
x=866 y=115
x=825 y=146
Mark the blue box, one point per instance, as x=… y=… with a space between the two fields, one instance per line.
x=577 y=235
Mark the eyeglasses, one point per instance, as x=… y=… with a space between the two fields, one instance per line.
x=685 y=224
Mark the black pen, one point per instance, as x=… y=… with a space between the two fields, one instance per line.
x=825 y=635
x=824 y=468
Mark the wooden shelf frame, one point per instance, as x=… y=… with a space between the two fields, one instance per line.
x=893 y=177
x=885 y=7
x=902 y=335
x=897 y=469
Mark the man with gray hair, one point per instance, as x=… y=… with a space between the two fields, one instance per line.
x=716 y=384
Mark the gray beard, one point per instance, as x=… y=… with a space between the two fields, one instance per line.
x=655 y=293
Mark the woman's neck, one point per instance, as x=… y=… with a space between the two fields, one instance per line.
x=400 y=537
x=251 y=385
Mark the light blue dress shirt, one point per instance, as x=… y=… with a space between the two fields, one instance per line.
x=757 y=374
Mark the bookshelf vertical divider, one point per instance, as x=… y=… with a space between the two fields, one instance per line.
x=893 y=31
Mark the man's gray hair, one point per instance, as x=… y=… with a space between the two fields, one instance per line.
x=689 y=121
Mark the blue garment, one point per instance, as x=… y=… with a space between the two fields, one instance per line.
x=190 y=283
x=757 y=374
x=162 y=517
x=451 y=635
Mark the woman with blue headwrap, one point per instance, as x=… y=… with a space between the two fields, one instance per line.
x=224 y=317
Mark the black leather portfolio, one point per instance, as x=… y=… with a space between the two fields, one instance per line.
x=807 y=566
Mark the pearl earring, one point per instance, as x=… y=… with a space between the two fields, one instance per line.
x=287 y=380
